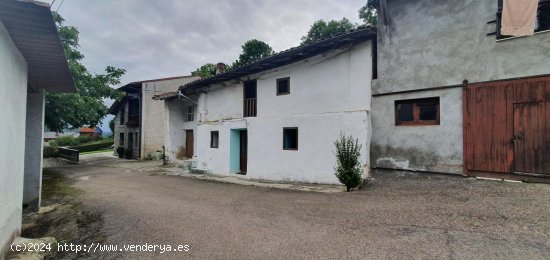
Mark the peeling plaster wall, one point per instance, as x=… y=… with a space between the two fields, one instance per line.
x=440 y=43
x=34 y=130
x=13 y=97
x=176 y=126
x=329 y=94
x=154 y=113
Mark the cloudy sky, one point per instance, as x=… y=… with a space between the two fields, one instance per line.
x=166 y=38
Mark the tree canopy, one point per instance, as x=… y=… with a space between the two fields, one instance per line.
x=85 y=107
x=204 y=71
x=321 y=29
x=253 y=50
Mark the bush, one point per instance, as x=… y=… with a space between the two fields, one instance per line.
x=93 y=146
x=84 y=139
x=64 y=141
x=348 y=166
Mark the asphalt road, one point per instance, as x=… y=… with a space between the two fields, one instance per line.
x=396 y=217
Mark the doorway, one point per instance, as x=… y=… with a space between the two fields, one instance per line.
x=189 y=143
x=238 y=151
x=531 y=142
x=243 y=151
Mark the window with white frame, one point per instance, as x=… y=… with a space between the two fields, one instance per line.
x=190 y=114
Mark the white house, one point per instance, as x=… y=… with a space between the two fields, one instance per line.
x=278 y=118
x=32 y=62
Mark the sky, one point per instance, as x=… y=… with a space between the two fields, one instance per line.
x=166 y=38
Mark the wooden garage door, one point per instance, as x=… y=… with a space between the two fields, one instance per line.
x=507 y=126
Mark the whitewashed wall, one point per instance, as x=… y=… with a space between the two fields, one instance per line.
x=329 y=94
x=13 y=96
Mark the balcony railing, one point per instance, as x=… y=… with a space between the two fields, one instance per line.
x=133 y=121
x=249 y=107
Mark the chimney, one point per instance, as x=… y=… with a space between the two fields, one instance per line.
x=220 y=68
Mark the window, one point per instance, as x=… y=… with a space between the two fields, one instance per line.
x=214 y=139
x=290 y=138
x=121 y=139
x=423 y=111
x=122 y=114
x=190 y=114
x=543 y=18
x=283 y=86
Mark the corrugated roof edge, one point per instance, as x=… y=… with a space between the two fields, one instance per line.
x=284 y=57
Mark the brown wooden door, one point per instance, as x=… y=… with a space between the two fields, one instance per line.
x=243 y=148
x=189 y=143
x=531 y=137
x=507 y=126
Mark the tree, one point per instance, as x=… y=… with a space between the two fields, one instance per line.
x=368 y=13
x=348 y=165
x=253 y=50
x=205 y=71
x=112 y=126
x=85 y=107
x=321 y=30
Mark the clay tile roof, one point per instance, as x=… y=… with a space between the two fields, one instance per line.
x=166 y=95
x=285 y=57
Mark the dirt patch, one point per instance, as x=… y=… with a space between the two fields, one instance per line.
x=63 y=217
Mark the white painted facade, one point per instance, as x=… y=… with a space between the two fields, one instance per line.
x=329 y=94
x=176 y=127
x=13 y=96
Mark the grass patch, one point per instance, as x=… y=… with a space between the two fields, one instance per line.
x=68 y=221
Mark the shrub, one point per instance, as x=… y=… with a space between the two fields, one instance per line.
x=84 y=139
x=348 y=165
x=64 y=141
x=93 y=146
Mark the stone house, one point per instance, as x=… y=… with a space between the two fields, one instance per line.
x=139 y=120
x=32 y=62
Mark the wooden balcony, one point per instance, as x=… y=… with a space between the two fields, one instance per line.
x=133 y=121
x=249 y=109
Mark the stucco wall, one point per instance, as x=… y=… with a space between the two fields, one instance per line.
x=440 y=43
x=13 y=97
x=153 y=112
x=176 y=127
x=34 y=131
x=329 y=94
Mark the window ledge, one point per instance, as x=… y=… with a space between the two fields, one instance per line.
x=512 y=38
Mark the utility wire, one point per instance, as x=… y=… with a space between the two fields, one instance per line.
x=52 y=3
x=62 y=1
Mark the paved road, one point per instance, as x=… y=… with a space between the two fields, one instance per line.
x=418 y=216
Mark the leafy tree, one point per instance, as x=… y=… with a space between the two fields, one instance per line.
x=85 y=107
x=112 y=126
x=368 y=13
x=348 y=165
x=206 y=70
x=321 y=30
x=253 y=50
